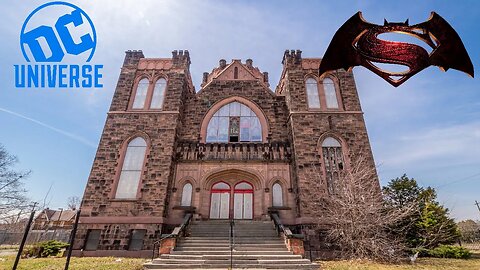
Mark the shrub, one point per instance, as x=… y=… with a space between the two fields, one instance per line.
x=445 y=251
x=45 y=249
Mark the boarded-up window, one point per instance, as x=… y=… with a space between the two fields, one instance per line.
x=93 y=238
x=187 y=195
x=277 y=195
x=136 y=239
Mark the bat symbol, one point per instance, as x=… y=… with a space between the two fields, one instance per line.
x=356 y=43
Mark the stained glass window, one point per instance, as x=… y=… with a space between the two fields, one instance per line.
x=333 y=162
x=234 y=122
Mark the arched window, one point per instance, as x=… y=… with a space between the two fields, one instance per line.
x=333 y=161
x=312 y=93
x=187 y=195
x=141 y=94
x=158 y=94
x=131 y=169
x=330 y=93
x=277 y=195
x=234 y=122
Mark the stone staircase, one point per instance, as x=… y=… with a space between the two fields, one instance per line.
x=257 y=246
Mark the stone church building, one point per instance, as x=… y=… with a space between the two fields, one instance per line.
x=234 y=149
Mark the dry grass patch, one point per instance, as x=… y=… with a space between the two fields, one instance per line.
x=89 y=263
x=421 y=264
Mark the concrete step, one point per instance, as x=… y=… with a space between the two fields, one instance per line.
x=214 y=238
x=227 y=252
x=207 y=246
x=236 y=240
x=236 y=244
x=298 y=266
x=227 y=261
x=226 y=248
x=234 y=256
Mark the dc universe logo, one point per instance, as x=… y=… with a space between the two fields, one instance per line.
x=58 y=32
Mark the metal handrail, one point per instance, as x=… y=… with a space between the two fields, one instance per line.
x=175 y=234
x=232 y=241
x=279 y=226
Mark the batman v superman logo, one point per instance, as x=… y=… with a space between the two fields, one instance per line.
x=356 y=43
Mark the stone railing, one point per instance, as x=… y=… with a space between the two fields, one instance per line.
x=194 y=151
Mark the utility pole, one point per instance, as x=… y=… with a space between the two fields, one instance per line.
x=478 y=207
x=24 y=239
x=72 y=239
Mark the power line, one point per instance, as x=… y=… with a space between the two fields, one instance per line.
x=459 y=180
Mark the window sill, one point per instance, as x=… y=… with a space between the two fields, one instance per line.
x=274 y=208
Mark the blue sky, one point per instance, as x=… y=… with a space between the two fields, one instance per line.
x=429 y=127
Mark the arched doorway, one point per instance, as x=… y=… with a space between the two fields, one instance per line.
x=220 y=201
x=243 y=201
x=220 y=205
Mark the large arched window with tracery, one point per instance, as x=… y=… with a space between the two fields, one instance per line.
x=333 y=160
x=234 y=122
x=131 y=169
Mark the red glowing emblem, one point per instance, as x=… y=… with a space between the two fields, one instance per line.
x=356 y=43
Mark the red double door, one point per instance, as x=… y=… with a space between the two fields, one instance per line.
x=221 y=202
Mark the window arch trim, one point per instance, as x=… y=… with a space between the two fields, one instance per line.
x=218 y=105
x=121 y=160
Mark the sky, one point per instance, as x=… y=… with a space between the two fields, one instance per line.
x=428 y=128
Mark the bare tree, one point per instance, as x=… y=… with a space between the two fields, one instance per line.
x=12 y=193
x=73 y=202
x=356 y=219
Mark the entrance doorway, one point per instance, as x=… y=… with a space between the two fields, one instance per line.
x=220 y=205
x=243 y=201
x=220 y=201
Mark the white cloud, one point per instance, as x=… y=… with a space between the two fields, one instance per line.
x=453 y=144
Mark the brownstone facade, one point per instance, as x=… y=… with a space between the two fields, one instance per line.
x=285 y=166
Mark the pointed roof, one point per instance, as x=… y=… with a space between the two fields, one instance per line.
x=236 y=71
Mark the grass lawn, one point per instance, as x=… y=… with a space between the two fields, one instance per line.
x=110 y=263
x=103 y=263
x=421 y=264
